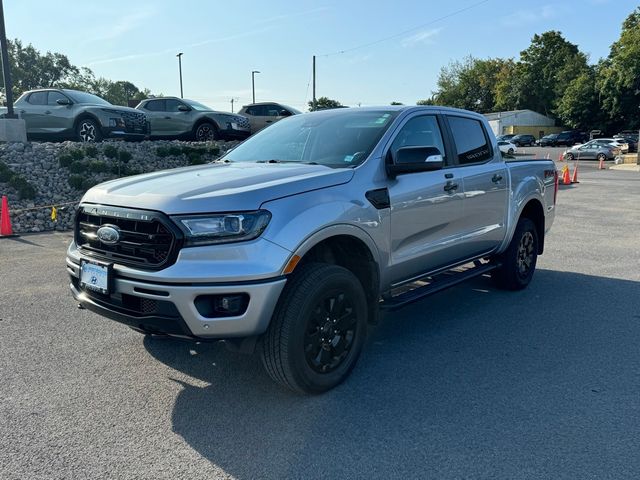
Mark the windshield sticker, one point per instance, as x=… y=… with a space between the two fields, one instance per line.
x=348 y=158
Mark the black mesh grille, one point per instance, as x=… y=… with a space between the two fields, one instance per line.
x=244 y=122
x=135 y=122
x=146 y=239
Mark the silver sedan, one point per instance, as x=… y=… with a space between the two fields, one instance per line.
x=592 y=150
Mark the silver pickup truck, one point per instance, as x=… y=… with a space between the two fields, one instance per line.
x=297 y=239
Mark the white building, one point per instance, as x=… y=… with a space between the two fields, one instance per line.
x=521 y=121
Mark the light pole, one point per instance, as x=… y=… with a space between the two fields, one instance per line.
x=180 y=69
x=5 y=67
x=253 y=84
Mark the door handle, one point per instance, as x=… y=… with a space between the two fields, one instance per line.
x=167 y=118
x=496 y=178
x=269 y=121
x=47 y=112
x=23 y=111
x=450 y=186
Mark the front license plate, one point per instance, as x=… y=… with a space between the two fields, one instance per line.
x=234 y=125
x=94 y=276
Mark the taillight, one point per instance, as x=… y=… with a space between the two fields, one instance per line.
x=555 y=186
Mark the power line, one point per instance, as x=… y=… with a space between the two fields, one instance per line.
x=406 y=31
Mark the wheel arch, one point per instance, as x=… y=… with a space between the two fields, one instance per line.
x=83 y=115
x=534 y=211
x=202 y=120
x=346 y=248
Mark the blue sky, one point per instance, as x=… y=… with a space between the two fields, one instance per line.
x=224 y=41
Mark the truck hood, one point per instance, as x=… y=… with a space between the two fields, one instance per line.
x=218 y=187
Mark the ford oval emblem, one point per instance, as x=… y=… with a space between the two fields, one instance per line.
x=109 y=234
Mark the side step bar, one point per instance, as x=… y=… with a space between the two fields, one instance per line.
x=436 y=283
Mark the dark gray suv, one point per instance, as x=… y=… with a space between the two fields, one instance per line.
x=62 y=114
x=172 y=117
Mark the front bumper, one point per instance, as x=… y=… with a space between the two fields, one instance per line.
x=116 y=132
x=166 y=304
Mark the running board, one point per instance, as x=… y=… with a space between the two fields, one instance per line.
x=436 y=283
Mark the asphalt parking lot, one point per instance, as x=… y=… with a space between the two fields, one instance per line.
x=470 y=383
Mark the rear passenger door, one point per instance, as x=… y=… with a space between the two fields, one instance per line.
x=257 y=116
x=485 y=183
x=32 y=112
x=154 y=109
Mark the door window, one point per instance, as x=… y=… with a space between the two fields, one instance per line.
x=38 y=98
x=420 y=131
x=155 y=106
x=257 y=111
x=171 y=105
x=54 y=97
x=470 y=140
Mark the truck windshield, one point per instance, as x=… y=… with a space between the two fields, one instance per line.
x=337 y=138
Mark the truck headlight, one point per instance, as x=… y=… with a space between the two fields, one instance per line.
x=222 y=228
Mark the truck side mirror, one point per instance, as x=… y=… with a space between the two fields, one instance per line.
x=415 y=159
x=183 y=108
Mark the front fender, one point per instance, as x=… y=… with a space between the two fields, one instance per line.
x=302 y=221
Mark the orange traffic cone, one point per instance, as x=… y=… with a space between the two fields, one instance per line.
x=566 y=180
x=560 y=157
x=574 y=178
x=5 y=221
x=601 y=164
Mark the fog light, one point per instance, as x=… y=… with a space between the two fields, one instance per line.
x=217 y=306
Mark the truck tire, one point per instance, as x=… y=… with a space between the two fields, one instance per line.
x=518 y=262
x=318 y=329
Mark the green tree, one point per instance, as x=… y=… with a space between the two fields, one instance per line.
x=396 y=103
x=618 y=80
x=545 y=70
x=579 y=106
x=31 y=69
x=323 y=103
x=469 y=84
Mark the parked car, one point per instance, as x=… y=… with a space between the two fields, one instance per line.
x=71 y=114
x=523 y=140
x=592 y=150
x=548 y=140
x=263 y=114
x=620 y=143
x=507 y=147
x=172 y=117
x=505 y=138
x=630 y=138
x=569 y=138
x=296 y=240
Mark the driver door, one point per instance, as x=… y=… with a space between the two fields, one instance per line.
x=426 y=207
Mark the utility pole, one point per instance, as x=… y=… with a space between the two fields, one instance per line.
x=314 y=83
x=6 y=70
x=180 y=69
x=232 y=105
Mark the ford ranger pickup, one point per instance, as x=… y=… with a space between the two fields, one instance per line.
x=293 y=242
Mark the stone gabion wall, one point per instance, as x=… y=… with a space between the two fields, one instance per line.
x=60 y=173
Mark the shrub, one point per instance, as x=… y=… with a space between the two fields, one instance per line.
x=195 y=158
x=76 y=154
x=213 y=151
x=76 y=181
x=5 y=173
x=162 y=152
x=78 y=167
x=65 y=160
x=124 y=156
x=25 y=189
x=110 y=152
x=91 y=151
x=98 y=166
x=174 y=150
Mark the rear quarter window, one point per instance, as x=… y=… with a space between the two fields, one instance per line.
x=470 y=140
